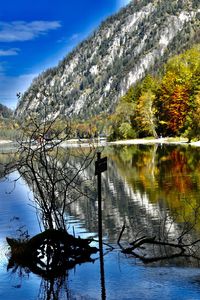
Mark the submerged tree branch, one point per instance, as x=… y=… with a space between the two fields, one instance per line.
x=171 y=250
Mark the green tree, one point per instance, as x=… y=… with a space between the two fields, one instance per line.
x=145 y=114
x=126 y=131
x=193 y=124
x=123 y=115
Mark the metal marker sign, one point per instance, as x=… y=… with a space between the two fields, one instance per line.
x=100 y=165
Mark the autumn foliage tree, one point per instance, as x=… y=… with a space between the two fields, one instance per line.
x=165 y=105
x=174 y=104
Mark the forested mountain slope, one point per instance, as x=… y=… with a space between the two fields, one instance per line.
x=5 y=112
x=136 y=41
x=8 y=124
x=167 y=105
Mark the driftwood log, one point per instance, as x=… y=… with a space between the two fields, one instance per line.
x=151 y=249
x=50 y=253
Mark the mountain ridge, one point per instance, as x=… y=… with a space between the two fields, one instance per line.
x=135 y=41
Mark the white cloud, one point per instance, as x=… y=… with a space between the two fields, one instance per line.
x=9 y=52
x=75 y=36
x=24 y=31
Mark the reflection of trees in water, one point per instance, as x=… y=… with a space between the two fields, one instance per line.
x=168 y=177
x=172 y=191
x=121 y=203
x=53 y=289
x=5 y=159
x=59 y=289
x=135 y=190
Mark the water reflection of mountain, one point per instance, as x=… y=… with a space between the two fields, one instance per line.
x=121 y=203
x=154 y=189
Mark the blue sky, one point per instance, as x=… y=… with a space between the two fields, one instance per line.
x=35 y=35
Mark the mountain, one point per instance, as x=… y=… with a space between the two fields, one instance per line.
x=5 y=112
x=8 y=125
x=137 y=40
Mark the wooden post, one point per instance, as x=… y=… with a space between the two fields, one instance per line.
x=100 y=166
x=99 y=203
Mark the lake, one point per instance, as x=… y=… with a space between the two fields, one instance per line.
x=154 y=190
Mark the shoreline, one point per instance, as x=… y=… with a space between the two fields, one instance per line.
x=169 y=141
x=5 y=142
x=142 y=141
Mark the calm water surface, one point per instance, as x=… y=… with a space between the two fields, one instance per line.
x=154 y=189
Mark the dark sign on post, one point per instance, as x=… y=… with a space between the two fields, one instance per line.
x=100 y=165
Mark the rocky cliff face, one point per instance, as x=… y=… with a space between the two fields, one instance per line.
x=137 y=40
